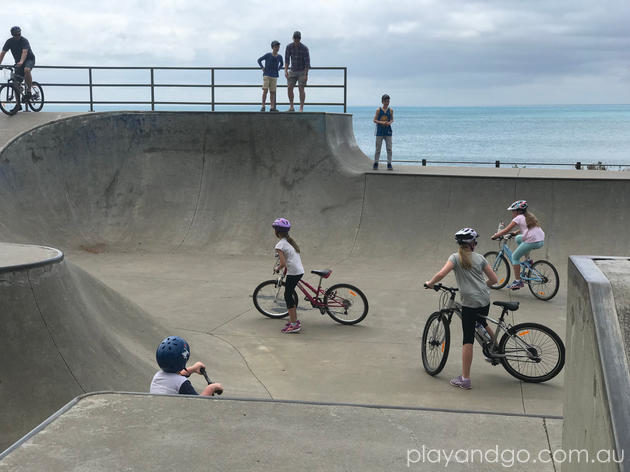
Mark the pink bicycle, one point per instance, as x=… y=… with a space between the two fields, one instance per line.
x=344 y=303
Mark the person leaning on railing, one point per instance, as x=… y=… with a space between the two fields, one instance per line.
x=23 y=55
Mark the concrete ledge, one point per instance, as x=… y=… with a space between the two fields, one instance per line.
x=126 y=431
x=17 y=257
x=597 y=376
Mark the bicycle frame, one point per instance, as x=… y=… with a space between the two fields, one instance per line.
x=526 y=267
x=454 y=307
x=317 y=299
x=316 y=302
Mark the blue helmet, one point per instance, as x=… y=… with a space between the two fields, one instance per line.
x=172 y=354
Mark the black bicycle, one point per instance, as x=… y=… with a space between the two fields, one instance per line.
x=528 y=351
x=13 y=94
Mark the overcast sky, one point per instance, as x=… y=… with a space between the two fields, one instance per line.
x=421 y=52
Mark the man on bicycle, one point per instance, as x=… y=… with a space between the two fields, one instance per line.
x=23 y=55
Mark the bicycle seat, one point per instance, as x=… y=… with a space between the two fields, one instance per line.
x=322 y=273
x=512 y=306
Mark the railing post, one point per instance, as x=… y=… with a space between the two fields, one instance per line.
x=91 y=96
x=497 y=163
x=345 y=88
x=212 y=86
x=578 y=165
x=152 y=91
x=424 y=162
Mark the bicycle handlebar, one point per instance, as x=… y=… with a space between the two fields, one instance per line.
x=505 y=236
x=438 y=287
x=205 y=374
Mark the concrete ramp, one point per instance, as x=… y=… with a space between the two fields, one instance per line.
x=164 y=181
x=64 y=333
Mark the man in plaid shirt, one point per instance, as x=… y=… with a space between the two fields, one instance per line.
x=296 y=55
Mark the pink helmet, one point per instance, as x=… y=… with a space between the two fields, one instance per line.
x=281 y=224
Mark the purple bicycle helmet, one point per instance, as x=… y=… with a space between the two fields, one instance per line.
x=281 y=224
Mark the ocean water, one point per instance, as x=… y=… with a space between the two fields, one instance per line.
x=525 y=136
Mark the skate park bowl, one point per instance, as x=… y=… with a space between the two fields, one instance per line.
x=163 y=220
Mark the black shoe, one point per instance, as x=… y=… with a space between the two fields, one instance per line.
x=389 y=167
x=375 y=166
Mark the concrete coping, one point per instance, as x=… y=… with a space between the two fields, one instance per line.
x=609 y=338
x=18 y=257
x=104 y=394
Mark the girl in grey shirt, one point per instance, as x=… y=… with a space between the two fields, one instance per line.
x=471 y=270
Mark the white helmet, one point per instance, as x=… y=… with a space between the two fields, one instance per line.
x=466 y=235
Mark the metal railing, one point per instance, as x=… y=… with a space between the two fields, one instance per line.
x=514 y=164
x=151 y=84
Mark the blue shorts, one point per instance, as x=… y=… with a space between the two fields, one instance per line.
x=524 y=248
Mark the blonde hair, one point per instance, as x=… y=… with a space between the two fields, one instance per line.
x=465 y=256
x=531 y=220
x=290 y=240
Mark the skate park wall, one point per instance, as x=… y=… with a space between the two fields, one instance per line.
x=597 y=379
x=212 y=182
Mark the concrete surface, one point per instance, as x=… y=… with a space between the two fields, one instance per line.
x=133 y=432
x=617 y=271
x=13 y=256
x=170 y=213
x=596 y=415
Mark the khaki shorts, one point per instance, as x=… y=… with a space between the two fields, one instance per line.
x=270 y=83
x=297 y=76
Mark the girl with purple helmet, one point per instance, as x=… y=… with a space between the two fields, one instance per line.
x=474 y=278
x=531 y=237
x=289 y=255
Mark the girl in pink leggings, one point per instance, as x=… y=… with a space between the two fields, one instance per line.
x=531 y=237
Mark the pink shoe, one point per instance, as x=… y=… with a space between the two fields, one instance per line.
x=292 y=328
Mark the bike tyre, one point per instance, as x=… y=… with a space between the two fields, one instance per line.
x=259 y=292
x=554 y=285
x=356 y=294
x=512 y=366
x=5 y=91
x=431 y=367
x=39 y=104
x=494 y=259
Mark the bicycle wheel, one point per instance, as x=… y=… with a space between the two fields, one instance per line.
x=36 y=102
x=9 y=99
x=533 y=352
x=436 y=342
x=346 y=304
x=500 y=267
x=543 y=280
x=269 y=299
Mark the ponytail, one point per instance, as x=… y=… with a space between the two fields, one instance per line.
x=531 y=220
x=290 y=240
x=465 y=256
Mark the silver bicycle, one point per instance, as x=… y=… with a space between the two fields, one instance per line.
x=528 y=351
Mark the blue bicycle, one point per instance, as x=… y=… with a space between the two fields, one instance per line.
x=541 y=276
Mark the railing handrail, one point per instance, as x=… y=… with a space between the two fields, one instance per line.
x=211 y=84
